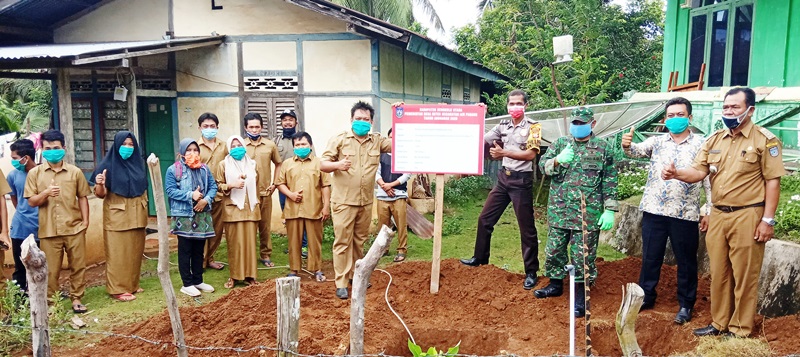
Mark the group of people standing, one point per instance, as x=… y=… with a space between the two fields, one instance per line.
x=739 y=166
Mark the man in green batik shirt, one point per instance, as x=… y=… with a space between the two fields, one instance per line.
x=580 y=163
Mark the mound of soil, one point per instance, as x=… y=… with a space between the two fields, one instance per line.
x=485 y=308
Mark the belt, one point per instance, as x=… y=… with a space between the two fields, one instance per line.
x=516 y=174
x=729 y=209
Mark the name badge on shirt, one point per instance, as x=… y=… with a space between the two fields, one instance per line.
x=714 y=151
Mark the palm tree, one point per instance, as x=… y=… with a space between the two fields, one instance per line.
x=25 y=105
x=397 y=12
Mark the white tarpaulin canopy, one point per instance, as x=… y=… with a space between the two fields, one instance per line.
x=611 y=118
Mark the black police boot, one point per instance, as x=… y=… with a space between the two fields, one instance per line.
x=580 y=300
x=555 y=288
x=473 y=262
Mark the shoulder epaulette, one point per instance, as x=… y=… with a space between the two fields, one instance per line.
x=529 y=120
x=504 y=122
x=767 y=133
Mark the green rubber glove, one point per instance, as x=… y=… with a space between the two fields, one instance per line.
x=566 y=156
x=606 y=220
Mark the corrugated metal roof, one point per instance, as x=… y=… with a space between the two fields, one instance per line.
x=76 y=50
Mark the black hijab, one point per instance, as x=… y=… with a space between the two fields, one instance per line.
x=126 y=178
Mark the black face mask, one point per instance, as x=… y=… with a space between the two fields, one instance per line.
x=289 y=132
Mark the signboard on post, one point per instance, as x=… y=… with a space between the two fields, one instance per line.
x=438 y=139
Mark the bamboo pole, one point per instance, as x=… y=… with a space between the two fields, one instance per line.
x=632 y=299
x=287 y=291
x=163 y=254
x=363 y=271
x=36 y=264
x=586 y=275
x=437 y=234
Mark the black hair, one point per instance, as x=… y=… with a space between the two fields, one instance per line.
x=252 y=116
x=53 y=135
x=516 y=92
x=677 y=101
x=363 y=106
x=390 y=132
x=206 y=116
x=749 y=95
x=24 y=147
x=302 y=134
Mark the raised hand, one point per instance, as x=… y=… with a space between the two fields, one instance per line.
x=345 y=163
x=100 y=179
x=55 y=191
x=566 y=156
x=627 y=139
x=669 y=172
x=496 y=151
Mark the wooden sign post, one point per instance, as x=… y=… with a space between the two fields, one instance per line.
x=438 y=139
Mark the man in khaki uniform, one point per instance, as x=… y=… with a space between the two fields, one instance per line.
x=60 y=191
x=264 y=152
x=212 y=152
x=308 y=195
x=5 y=239
x=745 y=164
x=353 y=158
x=286 y=151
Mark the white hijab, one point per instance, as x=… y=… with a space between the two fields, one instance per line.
x=233 y=172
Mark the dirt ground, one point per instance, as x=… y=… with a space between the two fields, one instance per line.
x=485 y=308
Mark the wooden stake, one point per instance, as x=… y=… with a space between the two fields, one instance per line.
x=287 y=291
x=632 y=300
x=437 y=234
x=364 y=268
x=163 y=254
x=36 y=264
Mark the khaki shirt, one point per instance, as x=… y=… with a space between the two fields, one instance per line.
x=4 y=187
x=212 y=158
x=527 y=135
x=298 y=174
x=233 y=213
x=355 y=186
x=58 y=216
x=123 y=213
x=285 y=147
x=265 y=153
x=743 y=164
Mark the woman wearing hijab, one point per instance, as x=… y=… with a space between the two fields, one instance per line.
x=121 y=182
x=237 y=174
x=191 y=189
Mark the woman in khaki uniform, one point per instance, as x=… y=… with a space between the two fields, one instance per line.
x=121 y=182
x=237 y=181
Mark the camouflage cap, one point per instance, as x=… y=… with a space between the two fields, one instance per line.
x=583 y=114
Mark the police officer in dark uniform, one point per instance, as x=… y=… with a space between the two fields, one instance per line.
x=520 y=137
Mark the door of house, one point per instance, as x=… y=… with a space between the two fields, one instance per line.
x=157 y=136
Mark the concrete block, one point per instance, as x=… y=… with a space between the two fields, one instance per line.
x=422 y=205
x=779 y=284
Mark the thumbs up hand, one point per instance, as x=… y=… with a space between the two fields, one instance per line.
x=196 y=194
x=627 y=139
x=345 y=163
x=496 y=151
x=566 y=156
x=55 y=191
x=669 y=172
x=297 y=196
x=100 y=179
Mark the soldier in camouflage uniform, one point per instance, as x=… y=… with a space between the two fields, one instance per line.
x=580 y=163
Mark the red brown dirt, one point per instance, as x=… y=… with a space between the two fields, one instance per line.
x=485 y=308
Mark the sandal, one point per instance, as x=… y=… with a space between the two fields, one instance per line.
x=139 y=290
x=228 y=284
x=79 y=308
x=123 y=297
x=216 y=265
x=399 y=257
x=320 y=277
x=267 y=263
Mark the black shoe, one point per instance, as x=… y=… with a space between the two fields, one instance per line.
x=555 y=288
x=369 y=285
x=580 y=301
x=341 y=293
x=530 y=281
x=473 y=262
x=647 y=306
x=709 y=330
x=684 y=315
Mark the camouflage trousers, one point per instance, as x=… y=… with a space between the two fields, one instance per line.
x=557 y=256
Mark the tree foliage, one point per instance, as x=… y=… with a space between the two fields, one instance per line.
x=25 y=105
x=615 y=49
x=397 y=12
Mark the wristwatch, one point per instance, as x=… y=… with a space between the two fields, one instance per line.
x=770 y=221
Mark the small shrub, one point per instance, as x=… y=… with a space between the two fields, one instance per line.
x=15 y=312
x=631 y=181
x=461 y=191
x=416 y=351
x=451 y=226
x=788 y=217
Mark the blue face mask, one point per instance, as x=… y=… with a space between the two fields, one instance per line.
x=733 y=122
x=302 y=152
x=580 y=131
x=53 y=156
x=361 y=127
x=19 y=165
x=209 y=133
x=125 y=152
x=289 y=132
x=677 y=125
x=238 y=152
x=252 y=136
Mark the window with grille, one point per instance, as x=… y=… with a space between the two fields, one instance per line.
x=114 y=118
x=466 y=95
x=270 y=84
x=270 y=110
x=447 y=93
x=83 y=133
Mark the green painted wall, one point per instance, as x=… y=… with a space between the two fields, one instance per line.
x=775 y=51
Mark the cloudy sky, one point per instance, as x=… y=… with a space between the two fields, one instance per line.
x=457 y=13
